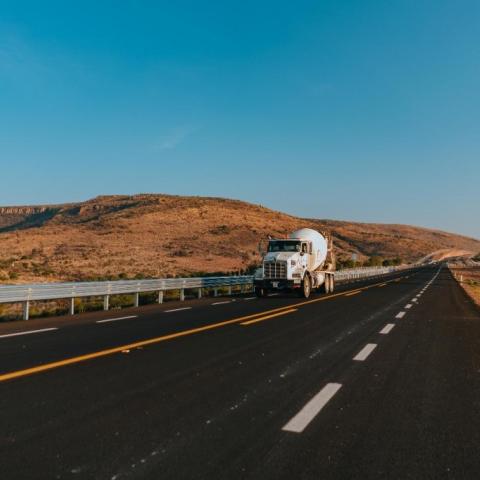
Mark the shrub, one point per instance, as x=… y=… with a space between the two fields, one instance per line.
x=389 y=262
x=220 y=230
x=374 y=261
x=348 y=263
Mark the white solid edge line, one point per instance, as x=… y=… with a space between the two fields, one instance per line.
x=16 y=334
x=106 y=320
x=300 y=421
x=177 y=309
x=222 y=303
x=363 y=354
x=387 y=328
x=400 y=315
x=250 y=298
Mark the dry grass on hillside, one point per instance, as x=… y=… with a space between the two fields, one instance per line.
x=161 y=235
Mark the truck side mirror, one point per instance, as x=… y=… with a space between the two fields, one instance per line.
x=262 y=248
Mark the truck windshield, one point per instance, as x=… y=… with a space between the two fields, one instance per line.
x=283 y=246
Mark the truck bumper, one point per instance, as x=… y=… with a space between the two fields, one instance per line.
x=280 y=284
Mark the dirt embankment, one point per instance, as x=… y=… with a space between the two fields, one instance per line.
x=469 y=279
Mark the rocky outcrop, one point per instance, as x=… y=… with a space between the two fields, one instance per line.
x=21 y=211
x=12 y=218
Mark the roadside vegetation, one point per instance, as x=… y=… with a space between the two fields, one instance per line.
x=373 y=261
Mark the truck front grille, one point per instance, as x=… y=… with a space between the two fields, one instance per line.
x=275 y=269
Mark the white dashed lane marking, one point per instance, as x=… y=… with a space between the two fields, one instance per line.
x=16 y=334
x=106 y=320
x=301 y=420
x=363 y=354
x=387 y=328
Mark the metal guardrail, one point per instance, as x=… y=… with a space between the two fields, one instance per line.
x=353 y=274
x=54 y=291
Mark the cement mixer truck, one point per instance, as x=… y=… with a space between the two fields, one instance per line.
x=302 y=262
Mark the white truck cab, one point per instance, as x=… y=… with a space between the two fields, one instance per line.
x=302 y=261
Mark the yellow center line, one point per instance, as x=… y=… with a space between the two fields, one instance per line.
x=261 y=319
x=353 y=293
x=110 y=351
x=142 y=343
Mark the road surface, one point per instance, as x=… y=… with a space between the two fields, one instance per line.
x=379 y=380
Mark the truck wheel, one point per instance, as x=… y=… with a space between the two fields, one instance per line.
x=306 y=287
x=326 y=285
x=260 y=292
x=332 y=283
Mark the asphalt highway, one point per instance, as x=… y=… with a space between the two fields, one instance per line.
x=379 y=380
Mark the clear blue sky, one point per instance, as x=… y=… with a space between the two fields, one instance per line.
x=359 y=110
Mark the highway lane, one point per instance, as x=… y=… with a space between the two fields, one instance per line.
x=23 y=344
x=215 y=404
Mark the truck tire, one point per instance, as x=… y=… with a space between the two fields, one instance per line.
x=332 y=283
x=306 y=287
x=327 y=286
x=260 y=292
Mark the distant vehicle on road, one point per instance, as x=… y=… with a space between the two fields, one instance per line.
x=301 y=262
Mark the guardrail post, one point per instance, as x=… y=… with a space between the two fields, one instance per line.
x=72 y=306
x=106 y=302
x=136 y=299
x=160 y=296
x=229 y=289
x=215 y=292
x=26 y=310
x=182 y=294
x=200 y=292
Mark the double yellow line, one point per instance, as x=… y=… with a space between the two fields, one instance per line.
x=245 y=320
x=355 y=292
x=273 y=315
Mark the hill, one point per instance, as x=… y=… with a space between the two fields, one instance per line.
x=163 y=235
